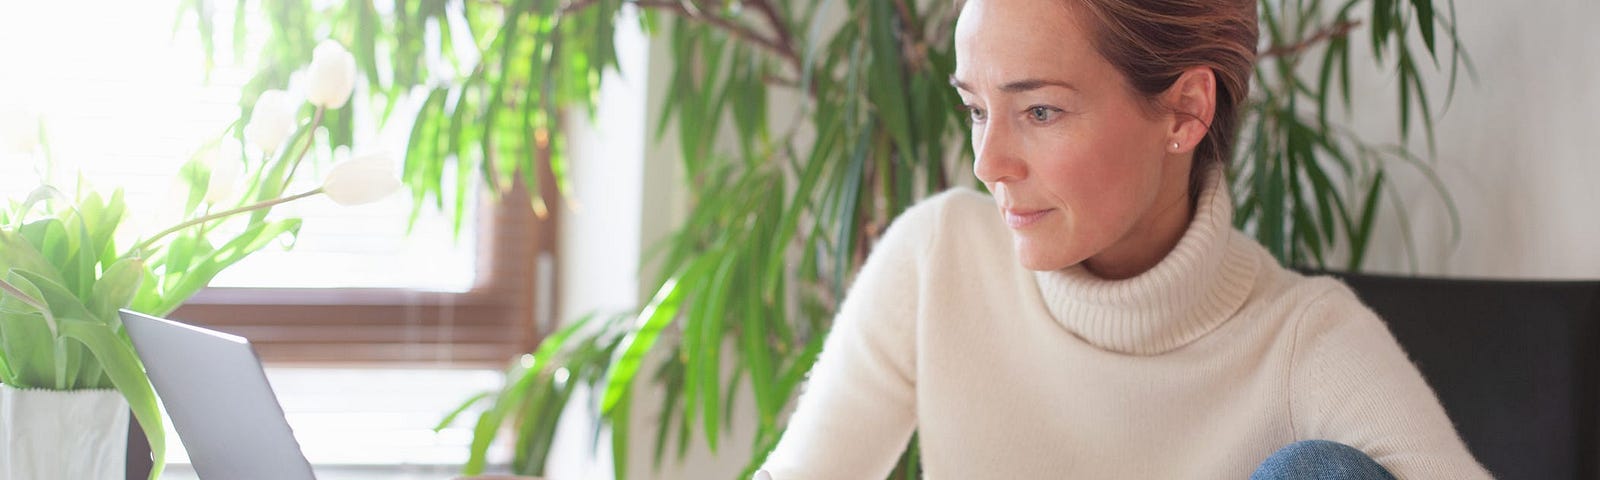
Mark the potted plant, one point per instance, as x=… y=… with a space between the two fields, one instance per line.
x=68 y=373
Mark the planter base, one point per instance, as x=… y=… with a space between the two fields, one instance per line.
x=79 y=434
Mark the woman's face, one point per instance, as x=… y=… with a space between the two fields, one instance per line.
x=1081 y=168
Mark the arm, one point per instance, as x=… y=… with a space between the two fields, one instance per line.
x=859 y=406
x=1350 y=382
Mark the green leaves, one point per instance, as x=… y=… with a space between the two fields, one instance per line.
x=127 y=374
x=61 y=285
x=538 y=389
x=1311 y=189
x=492 y=112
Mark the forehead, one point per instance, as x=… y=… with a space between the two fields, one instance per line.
x=1006 y=40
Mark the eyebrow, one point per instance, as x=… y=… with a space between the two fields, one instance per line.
x=1019 y=85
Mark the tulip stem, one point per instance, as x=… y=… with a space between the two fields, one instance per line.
x=311 y=139
x=225 y=213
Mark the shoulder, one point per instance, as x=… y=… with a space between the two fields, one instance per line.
x=1329 y=319
x=1299 y=297
x=1320 y=296
x=934 y=222
x=1315 y=310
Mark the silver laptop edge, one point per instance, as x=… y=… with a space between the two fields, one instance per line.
x=219 y=399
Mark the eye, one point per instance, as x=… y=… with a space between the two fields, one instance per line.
x=1042 y=114
x=977 y=115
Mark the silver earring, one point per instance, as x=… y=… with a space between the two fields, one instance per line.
x=1174 y=146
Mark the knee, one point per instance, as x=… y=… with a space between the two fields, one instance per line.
x=1320 y=460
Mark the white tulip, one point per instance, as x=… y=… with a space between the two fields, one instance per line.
x=363 y=179
x=225 y=173
x=272 y=120
x=332 y=76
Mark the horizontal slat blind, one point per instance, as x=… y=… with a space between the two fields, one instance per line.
x=485 y=327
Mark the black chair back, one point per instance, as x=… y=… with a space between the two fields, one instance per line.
x=1515 y=363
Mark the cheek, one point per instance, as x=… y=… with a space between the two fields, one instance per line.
x=1105 y=175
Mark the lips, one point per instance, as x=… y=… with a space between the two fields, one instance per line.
x=1017 y=218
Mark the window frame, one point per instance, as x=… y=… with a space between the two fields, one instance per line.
x=504 y=314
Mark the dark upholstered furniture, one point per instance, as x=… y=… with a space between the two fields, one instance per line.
x=1515 y=363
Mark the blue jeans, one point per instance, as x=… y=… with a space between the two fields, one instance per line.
x=1320 y=460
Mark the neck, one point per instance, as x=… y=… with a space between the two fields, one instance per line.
x=1152 y=237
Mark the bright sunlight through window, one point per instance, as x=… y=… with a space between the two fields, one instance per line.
x=124 y=99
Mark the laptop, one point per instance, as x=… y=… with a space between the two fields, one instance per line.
x=219 y=400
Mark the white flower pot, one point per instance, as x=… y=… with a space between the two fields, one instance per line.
x=78 y=435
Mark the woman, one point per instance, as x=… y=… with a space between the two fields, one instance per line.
x=1098 y=317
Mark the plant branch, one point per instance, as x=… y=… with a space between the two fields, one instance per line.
x=785 y=39
x=223 y=214
x=915 y=51
x=311 y=139
x=1336 y=30
x=687 y=10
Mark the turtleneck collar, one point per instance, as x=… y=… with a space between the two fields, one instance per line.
x=1199 y=285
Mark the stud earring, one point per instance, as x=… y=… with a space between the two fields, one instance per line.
x=1175 y=146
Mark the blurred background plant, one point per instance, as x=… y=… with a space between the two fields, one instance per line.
x=783 y=214
x=65 y=276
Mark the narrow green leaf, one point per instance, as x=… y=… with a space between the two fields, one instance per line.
x=758 y=355
x=670 y=375
x=655 y=316
x=125 y=371
x=7 y=374
x=450 y=418
x=619 y=414
x=115 y=290
x=709 y=367
x=1369 y=214
x=489 y=422
x=27 y=342
x=62 y=302
x=253 y=239
x=1405 y=73
x=1425 y=22
x=887 y=82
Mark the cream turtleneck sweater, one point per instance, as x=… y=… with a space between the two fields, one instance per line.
x=1198 y=368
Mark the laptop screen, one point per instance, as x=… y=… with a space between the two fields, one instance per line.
x=219 y=400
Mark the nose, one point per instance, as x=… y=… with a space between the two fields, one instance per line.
x=995 y=154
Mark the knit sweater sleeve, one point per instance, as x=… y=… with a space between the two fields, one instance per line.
x=1351 y=383
x=858 y=409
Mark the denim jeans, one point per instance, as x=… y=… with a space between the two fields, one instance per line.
x=1320 y=460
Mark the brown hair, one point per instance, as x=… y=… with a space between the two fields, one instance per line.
x=1152 y=41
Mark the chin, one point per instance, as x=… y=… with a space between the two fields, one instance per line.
x=1043 y=258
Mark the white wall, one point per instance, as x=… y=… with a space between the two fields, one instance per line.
x=629 y=195
x=600 y=231
x=1519 y=149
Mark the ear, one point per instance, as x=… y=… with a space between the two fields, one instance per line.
x=1193 y=102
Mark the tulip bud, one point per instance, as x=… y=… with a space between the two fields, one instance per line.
x=272 y=120
x=332 y=76
x=363 y=179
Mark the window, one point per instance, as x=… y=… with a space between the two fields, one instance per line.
x=127 y=104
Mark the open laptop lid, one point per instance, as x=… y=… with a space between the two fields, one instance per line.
x=219 y=400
